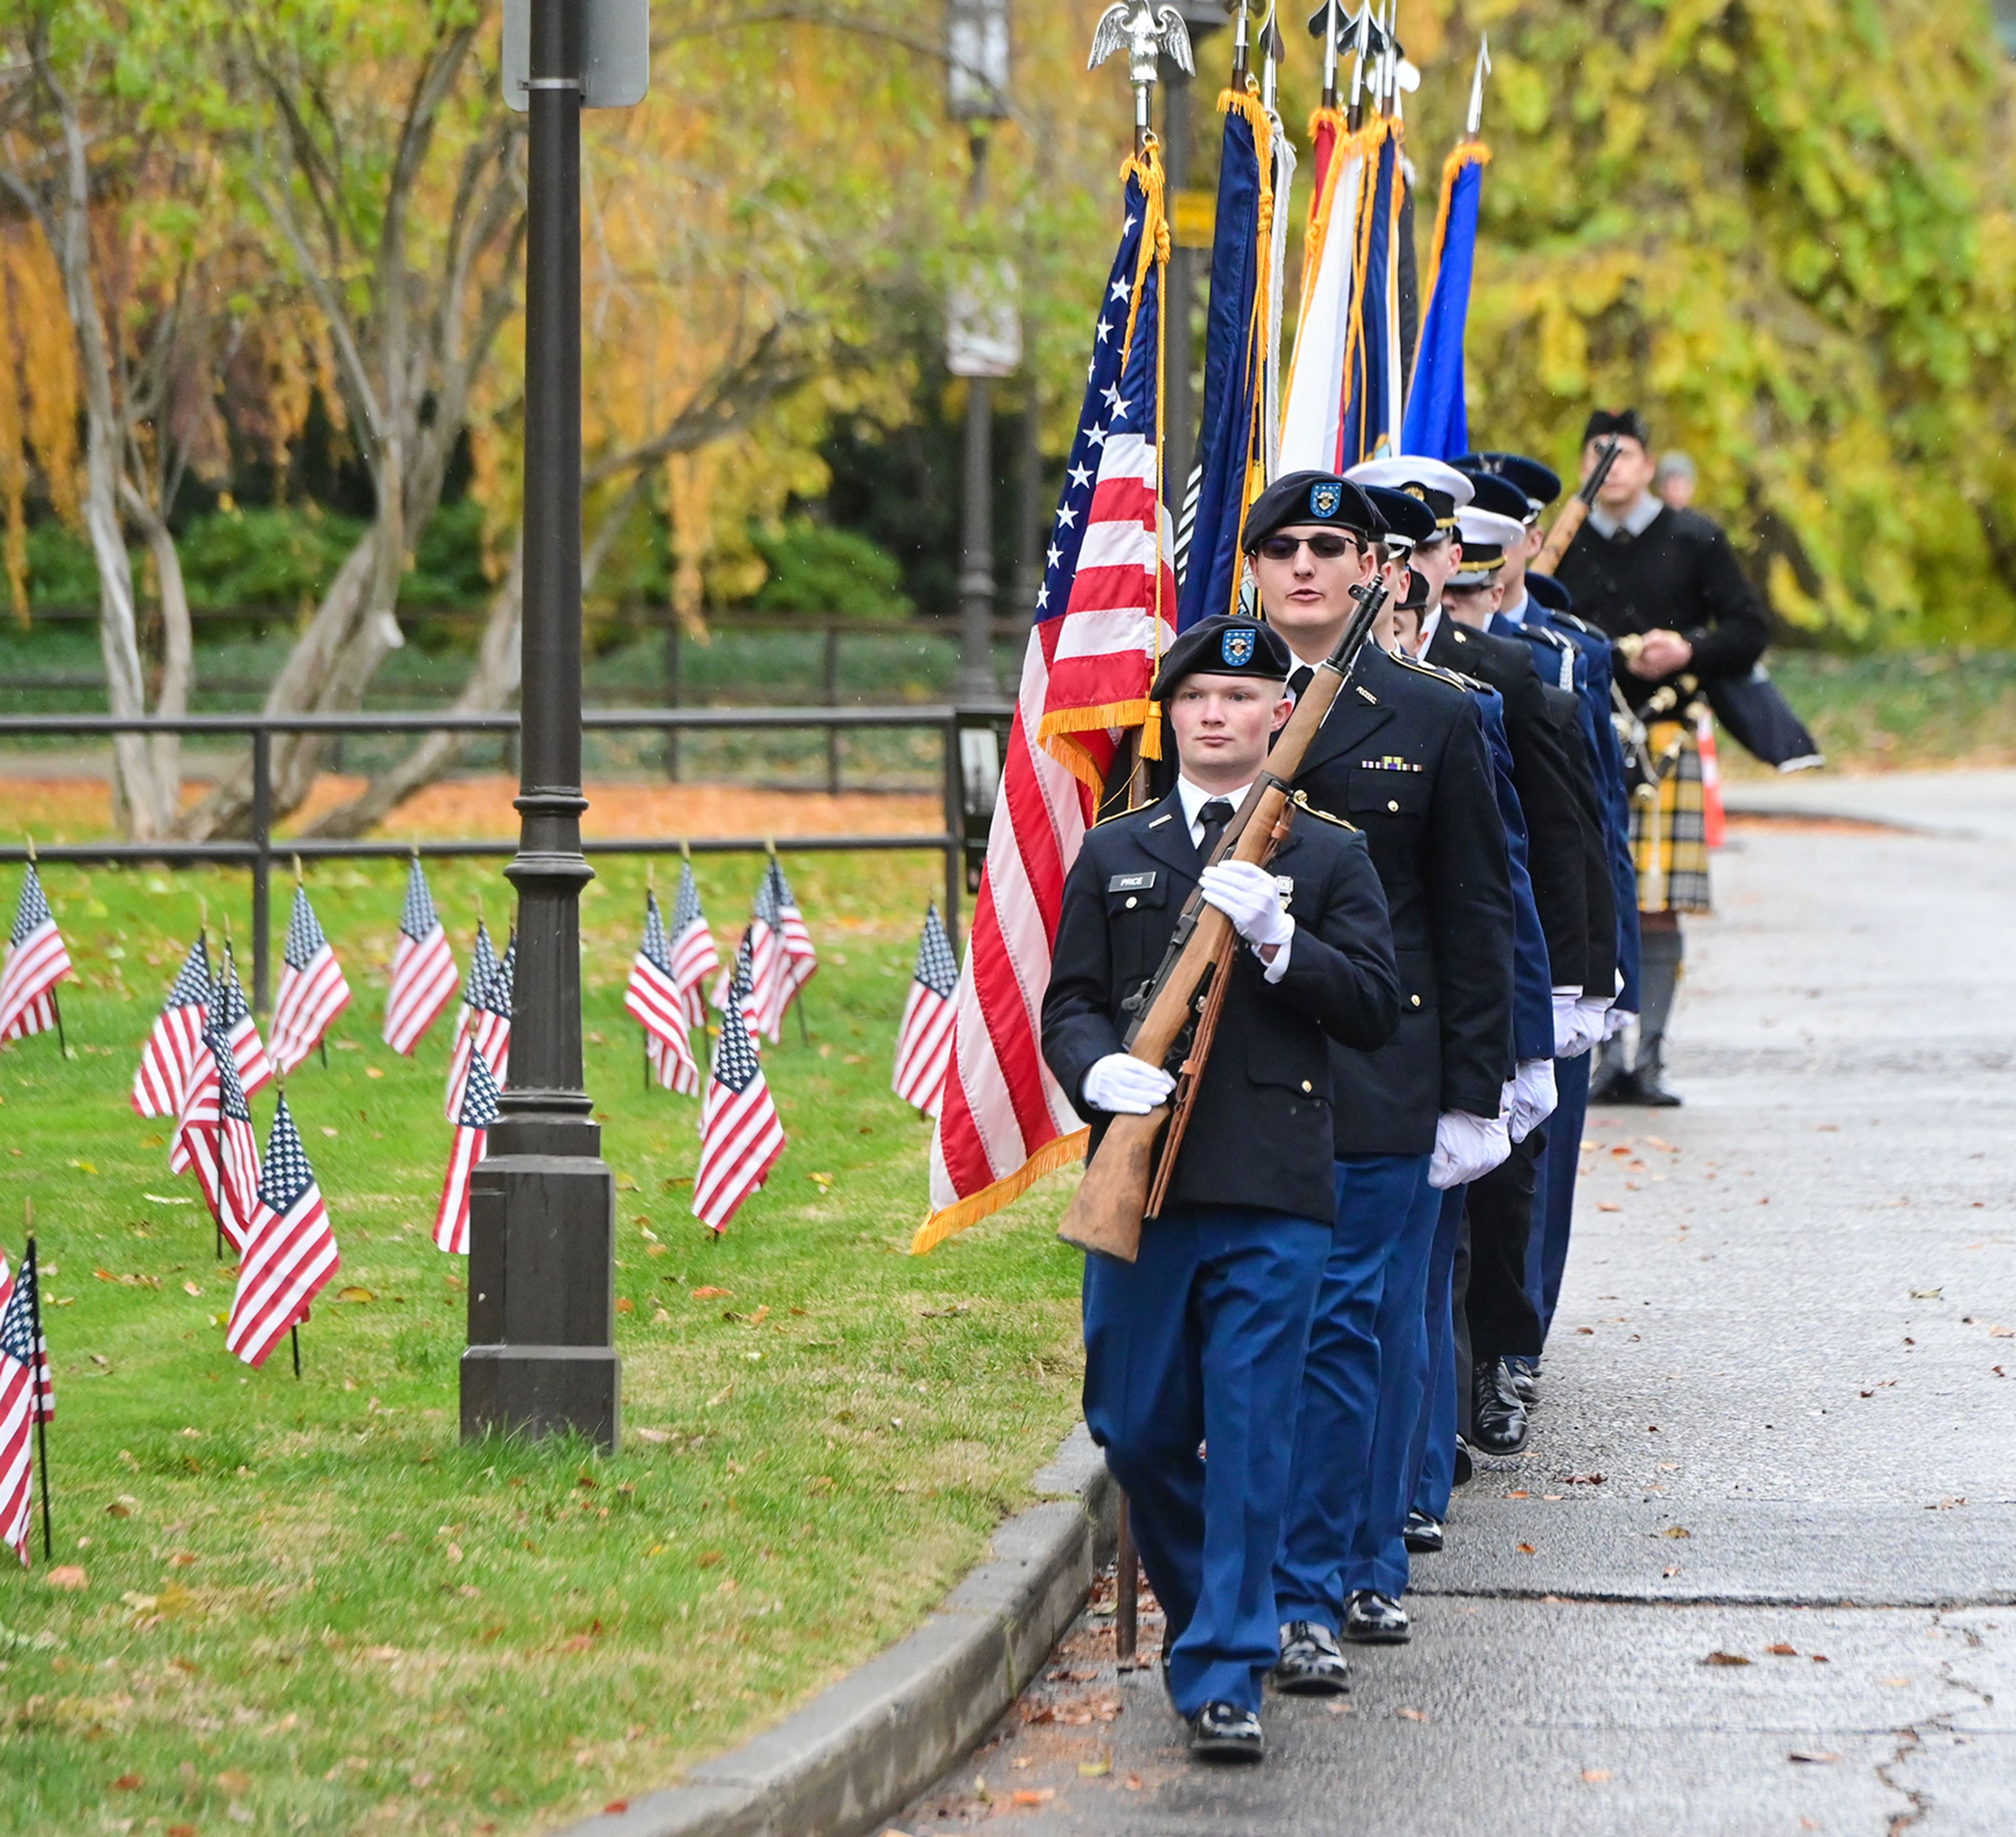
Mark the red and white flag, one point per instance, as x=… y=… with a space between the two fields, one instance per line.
x=483 y=966
x=783 y=959
x=171 y=1047
x=659 y=1006
x=192 y=1145
x=693 y=956
x=424 y=972
x=25 y=1399
x=231 y=1016
x=292 y=1253
x=741 y=1137
x=312 y=990
x=472 y=1131
x=1103 y=618
x=737 y=983
x=923 y=1040
x=236 y=1202
x=36 y=961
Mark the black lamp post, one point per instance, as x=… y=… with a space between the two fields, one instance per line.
x=542 y=1358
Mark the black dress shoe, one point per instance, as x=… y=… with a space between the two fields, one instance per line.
x=1373 y=1620
x=1465 y=1466
x=1311 y=1664
x=1652 y=1094
x=1497 y=1416
x=1613 y=1081
x=1423 y=1535
x=1224 y=1731
x=1526 y=1381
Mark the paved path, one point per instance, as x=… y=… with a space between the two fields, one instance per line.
x=1775 y=1426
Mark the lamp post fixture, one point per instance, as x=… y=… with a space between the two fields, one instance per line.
x=542 y=1357
x=983 y=332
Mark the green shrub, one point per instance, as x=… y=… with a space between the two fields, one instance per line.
x=814 y=568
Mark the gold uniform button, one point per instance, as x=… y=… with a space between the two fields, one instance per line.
x=1393 y=804
x=1415 y=1000
x=1131 y=902
x=1307 y=1085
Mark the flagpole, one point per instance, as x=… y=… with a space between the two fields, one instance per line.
x=294 y=1334
x=36 y=1361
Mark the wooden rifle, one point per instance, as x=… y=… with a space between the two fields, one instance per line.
x=1576 y=513
x=1106 y=1212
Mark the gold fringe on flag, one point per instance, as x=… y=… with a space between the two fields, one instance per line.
x=950 y=1220
x=1469 y=152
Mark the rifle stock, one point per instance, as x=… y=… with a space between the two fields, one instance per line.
x=1105 y=1213
x=1574 y=514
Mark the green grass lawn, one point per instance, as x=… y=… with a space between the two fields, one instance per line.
x=307 y=1606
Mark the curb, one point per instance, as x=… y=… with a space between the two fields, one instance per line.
x=863 y=1749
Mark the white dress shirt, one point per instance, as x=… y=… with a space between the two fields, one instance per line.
x=1193 y=799
x=1637 y=519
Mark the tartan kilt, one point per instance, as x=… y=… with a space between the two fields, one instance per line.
x=1668 y=833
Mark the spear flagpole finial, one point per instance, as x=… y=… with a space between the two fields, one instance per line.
x=1475 y=123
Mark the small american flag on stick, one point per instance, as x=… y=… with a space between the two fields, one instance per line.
x=783 y=959
x=312 y=990
x=424 y=972
x=741 y=1137
x=476 y=998
x=291 y=1253
x=693 y=956
x=231 y=1016
x=923 y=1040
x=36 y=961
x=655 y=998
x=27 y=1402
x=171 y=1047
x=479 y=1116
x=235 y=1201
x=737 y=982
x=193 y=1143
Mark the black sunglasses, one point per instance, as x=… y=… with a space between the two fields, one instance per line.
x=1324 y=546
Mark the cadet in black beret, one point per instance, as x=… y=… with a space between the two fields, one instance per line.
x=1305 y=499
x=1223 y=646
x=1625 y=424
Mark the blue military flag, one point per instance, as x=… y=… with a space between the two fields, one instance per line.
x=1438 y=427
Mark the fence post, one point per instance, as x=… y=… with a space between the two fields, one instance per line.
x=955 y=823
x=832 y=687
x=262 y=864
x=672 y=687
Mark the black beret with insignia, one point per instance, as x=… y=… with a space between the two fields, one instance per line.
x=1224 y=647
x=1299 y=498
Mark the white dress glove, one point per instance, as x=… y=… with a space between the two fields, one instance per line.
x=1246 y=896
x=1615 y=1020
x=1124 y=1085
x=1530 y=1098
x=1572 y=1035
x=1596 y=1017
x=1467 y=1148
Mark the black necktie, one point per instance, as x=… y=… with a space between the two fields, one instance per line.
x=1299 y=682
x=1215 y=814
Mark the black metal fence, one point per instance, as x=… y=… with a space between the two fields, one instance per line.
x=972 y=740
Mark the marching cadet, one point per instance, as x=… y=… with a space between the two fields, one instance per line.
x=1665 y=586
x=1201 y=1340
x=1403 y=757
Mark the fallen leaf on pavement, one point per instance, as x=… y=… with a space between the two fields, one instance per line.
x=1033 y=1796
x=1811 y=1759
x=1528 y=1550
x=1896 y=1683
x=1670 y=1571
x=1133 y=1782
x=1096 y=1770
x=1413 y=1715
x=1725 y=1659
x=1608 y=1205
x=1783 y=1650
x=1595 y=1775
x=1676 y=1531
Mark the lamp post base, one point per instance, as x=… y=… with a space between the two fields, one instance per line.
x=540 y=1358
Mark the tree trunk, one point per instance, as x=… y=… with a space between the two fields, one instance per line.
x=492 y=686
x=178 y=661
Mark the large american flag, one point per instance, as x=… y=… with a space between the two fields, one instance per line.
x=1107 y=609
x=424 y=972
x=312 y=990
x=231 y=1015
x=25 y=1399
x=923 y=1039
x=479 y=1111
x=741 y=1137
x=292 y=1253
x=235 y=1199
x=476 y=996
x=655 y=998
x=693 y=956
x=171 y=1047
x=35 y=963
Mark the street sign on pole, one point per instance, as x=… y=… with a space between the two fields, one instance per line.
x=615 y=52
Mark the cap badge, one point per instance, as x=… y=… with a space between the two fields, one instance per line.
x=1413 y=489
x=1325 y=498
x=1237 y=647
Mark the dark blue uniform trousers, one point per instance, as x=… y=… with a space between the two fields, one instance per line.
x=1201 y=1340
x=1435 y=1432
x=1362 y=1388
x=1553 y=1193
